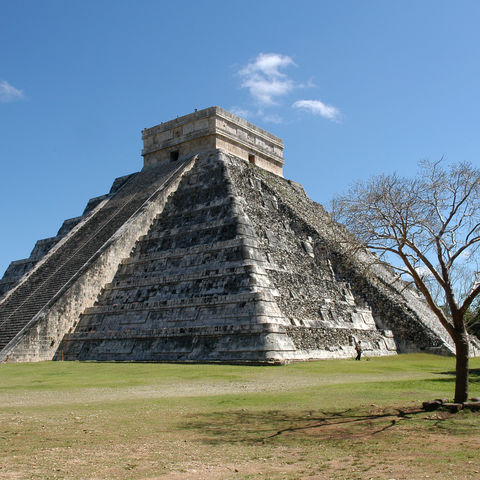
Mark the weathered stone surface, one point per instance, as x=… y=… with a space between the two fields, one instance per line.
x=444 y=404
x=474 y=406
x=211 y=129
x=432 y=405
x=207 y=258
x=453 y=407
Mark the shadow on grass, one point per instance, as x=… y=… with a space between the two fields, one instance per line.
x=474 y=376
x=247 y=426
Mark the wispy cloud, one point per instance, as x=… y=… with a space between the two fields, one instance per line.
x=8 y=93
x=271 y=117
x=316 y=107
x=268 y=64
x=264 y=79
x=267 y=117
x=241 y=112
x=268 y=84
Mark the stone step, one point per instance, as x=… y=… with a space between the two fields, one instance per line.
x=188 y=266
x=189 y=263
x=237 y=327
x=231 y=245
x=160 y=277
x=203 y=318
x=207 y=235
x=204 y=210
x=186 y=201
x=145 y=296
x=160 y=232
x=184 y=302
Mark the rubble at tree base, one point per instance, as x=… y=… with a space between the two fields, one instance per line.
x=444 y=404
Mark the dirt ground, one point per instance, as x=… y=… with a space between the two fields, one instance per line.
x=278 y=424
x=381 y=444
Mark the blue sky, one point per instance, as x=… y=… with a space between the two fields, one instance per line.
x=354 y=88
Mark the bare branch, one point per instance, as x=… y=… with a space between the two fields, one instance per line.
x=432 y=223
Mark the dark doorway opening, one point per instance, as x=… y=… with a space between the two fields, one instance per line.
x=174 y=156
x=251 y=159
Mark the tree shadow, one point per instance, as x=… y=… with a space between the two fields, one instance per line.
x=252 y=426
x=474 y=376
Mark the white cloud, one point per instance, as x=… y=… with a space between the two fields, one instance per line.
x=316 y=107
x=8 y=93
x=272 y=118
x=241 y=112
x=264 y=79
x=267 y=83
x=264 y=90
x=268 y=64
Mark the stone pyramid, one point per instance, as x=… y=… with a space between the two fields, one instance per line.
x=206 y=255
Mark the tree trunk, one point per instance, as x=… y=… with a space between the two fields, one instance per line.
x=461 y=380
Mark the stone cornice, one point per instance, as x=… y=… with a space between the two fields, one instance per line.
x=217 y=122
x=210 y=112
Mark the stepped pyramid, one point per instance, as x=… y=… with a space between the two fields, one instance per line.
x=206 y=255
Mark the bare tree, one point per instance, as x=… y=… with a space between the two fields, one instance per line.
x=430 y=227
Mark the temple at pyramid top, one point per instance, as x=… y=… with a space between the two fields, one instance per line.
x=210 y=129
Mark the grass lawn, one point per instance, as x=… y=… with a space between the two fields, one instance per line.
x=335 y=419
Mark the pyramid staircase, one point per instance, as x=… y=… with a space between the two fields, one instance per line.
x=192 y=290
x=225 y=274
x=54 y=274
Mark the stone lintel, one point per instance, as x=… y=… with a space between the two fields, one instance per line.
x=211 y=129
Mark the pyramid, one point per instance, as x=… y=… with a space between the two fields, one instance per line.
x=207 y=255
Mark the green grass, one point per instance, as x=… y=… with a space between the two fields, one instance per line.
x=74 y=375
x=326 y=419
